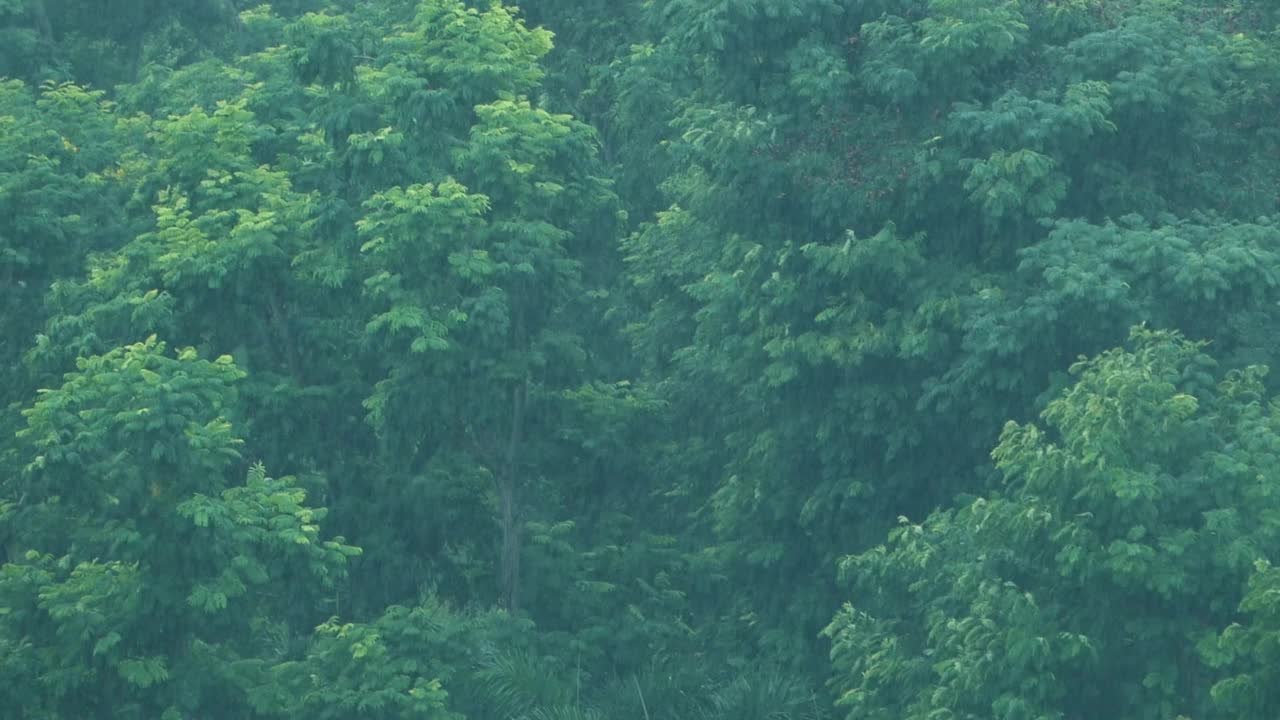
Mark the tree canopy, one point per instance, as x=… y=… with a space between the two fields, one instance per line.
x=890 y=359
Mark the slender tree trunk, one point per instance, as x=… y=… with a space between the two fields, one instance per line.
x=133 y=55
x=226 y=11
x=510 y=560
x=40 y=16
x=509 y=565
x=280 y=321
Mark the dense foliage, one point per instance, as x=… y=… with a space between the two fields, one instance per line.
x=879 y=359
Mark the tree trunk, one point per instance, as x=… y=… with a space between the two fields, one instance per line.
x=510 y=560
x=280 y=322
x=40 y=16
x=509 y=565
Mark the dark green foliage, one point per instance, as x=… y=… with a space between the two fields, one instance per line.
x=1097 y=579
x=138 y=574
x=605 y=330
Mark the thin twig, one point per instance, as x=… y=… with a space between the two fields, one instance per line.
x=643 y=707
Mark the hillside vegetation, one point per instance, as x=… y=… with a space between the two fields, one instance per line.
x=662 y=360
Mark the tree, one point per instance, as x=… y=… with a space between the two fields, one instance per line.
x=105 y=45
x=475 y=279
x=596 y=478
x=1094 y=583
x=145 y=584
x=885 y=237
x=67 y=160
